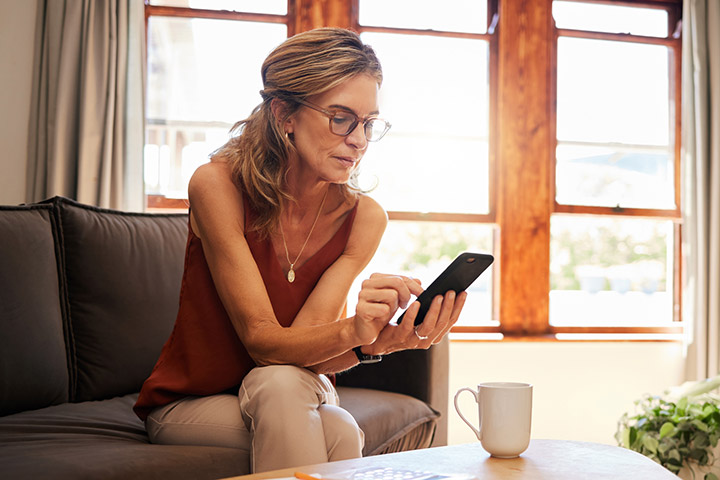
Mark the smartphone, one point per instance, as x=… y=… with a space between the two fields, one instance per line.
x=458 y=276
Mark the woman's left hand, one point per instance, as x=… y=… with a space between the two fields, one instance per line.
x=440 y=317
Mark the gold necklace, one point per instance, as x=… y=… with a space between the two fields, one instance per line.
x=291 y=272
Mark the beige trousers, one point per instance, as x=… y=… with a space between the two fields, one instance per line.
x=283 y=416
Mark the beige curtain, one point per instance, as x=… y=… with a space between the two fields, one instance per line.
x=701 y=179
x=86 y=122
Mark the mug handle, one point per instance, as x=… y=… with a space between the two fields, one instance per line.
x=457 y=408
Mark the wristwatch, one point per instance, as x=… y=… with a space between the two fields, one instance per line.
x=365 y=358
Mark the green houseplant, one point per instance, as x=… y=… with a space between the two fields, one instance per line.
x=679 y=430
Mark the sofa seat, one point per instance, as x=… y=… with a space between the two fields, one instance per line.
x=101 y=439
x=105 y=439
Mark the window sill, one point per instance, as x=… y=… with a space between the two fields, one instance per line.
x=569 y=337
x=161 y=203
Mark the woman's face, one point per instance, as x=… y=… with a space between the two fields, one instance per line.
x=323 y=154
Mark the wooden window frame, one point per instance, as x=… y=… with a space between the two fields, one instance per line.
x=673 y=42
x=523 y=62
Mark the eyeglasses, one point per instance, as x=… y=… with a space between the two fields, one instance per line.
x=344 y=123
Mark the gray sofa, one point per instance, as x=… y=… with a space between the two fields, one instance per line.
x=88 y=296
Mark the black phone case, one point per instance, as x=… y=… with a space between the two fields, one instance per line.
x=458 y=276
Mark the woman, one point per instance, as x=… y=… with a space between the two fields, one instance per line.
x=276 y=237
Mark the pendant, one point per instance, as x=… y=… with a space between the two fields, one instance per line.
x=291 y=275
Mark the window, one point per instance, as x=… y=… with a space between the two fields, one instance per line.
x=437 y=92
x=546 y=133
x=203 y=76
x=615 y=223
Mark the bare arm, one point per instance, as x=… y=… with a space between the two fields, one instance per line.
x=316 y=335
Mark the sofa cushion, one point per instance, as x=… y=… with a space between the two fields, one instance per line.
x=123 y=273
x=392 y=422
x=33 y=363
x=102 y=439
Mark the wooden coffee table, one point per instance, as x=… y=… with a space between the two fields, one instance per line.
x=544 y=459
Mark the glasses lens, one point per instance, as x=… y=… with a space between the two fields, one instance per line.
x=343 y=123
x=375 y=129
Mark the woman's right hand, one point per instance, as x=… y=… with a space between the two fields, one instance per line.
x=380 y=297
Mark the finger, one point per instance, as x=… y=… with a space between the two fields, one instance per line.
x=406 y=289
x=407 y=326
x=414 y=285
x=442 y=320
x=459 y=304
x=403 y=286
x=445 y=315
x=448 y=307
x=394 y=338
x=454 y=316
x=387 y=296
x=372 y=311
x=431 y=317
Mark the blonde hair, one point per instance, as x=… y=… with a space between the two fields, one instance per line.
x=306 y=64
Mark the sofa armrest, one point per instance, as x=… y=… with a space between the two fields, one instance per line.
x=422 y=374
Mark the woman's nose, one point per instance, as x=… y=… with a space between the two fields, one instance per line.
x=357 y=137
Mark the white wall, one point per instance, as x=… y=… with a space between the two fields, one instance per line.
x=580 y=389
x=17 y=36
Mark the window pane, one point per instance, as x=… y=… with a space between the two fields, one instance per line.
x=612 y=176
x=173 y=150
x=610 y=271
x=423 y=249
x=649 y=22
x=448 y=15
x=437 y=102
x=612 y=92
x=196 y=91
x=276 y=7
x=191 y=75
x=613 y=125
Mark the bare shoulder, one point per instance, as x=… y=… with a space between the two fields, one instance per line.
x=369 y=226
x=209 y=176
x=370 y=212
x=214 y=198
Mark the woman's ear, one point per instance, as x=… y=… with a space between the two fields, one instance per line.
x=281 y=112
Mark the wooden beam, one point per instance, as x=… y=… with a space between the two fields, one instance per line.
x=311 y=14
x=525 y=145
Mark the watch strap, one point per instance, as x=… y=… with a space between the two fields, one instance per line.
x=365 y=358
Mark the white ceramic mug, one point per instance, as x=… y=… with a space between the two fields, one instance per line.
x=504 y=417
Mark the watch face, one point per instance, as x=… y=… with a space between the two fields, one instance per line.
x=371 y=359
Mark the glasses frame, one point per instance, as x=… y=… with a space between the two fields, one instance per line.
x=331 y=115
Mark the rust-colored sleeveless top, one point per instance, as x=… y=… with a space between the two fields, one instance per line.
x=204 y=355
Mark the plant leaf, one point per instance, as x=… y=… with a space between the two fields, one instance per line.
x=700 y=455
x=674 y=455
x=667 y=430
x=701 y=440
x=650 y=443
x=700 y=425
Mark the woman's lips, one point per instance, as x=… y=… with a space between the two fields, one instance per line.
x=347 y=161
